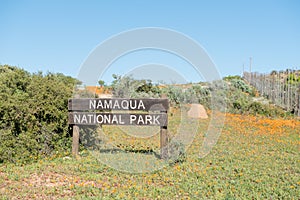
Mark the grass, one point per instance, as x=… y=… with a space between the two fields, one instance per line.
x=255 y=158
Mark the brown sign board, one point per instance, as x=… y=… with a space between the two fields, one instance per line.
x=106 y=104
x=90 y=118
x=96 y=111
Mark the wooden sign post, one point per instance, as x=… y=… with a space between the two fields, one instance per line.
x=81 y=114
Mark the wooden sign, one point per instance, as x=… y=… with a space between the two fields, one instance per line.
x=92 y=111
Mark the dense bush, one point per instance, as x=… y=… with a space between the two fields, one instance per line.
x=33 y=113
x=241 y=85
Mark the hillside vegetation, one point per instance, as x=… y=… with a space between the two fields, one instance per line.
x=232 y=91
x=33 y=107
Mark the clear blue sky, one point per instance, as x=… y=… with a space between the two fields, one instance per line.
x=57 y=36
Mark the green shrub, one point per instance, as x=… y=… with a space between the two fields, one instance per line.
x=241 y=85
x=33 y=114
x=175 y=152
x=127 y=87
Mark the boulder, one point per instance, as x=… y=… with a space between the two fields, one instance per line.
x=197 y=111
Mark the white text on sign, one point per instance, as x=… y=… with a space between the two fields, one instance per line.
x=119 y=119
